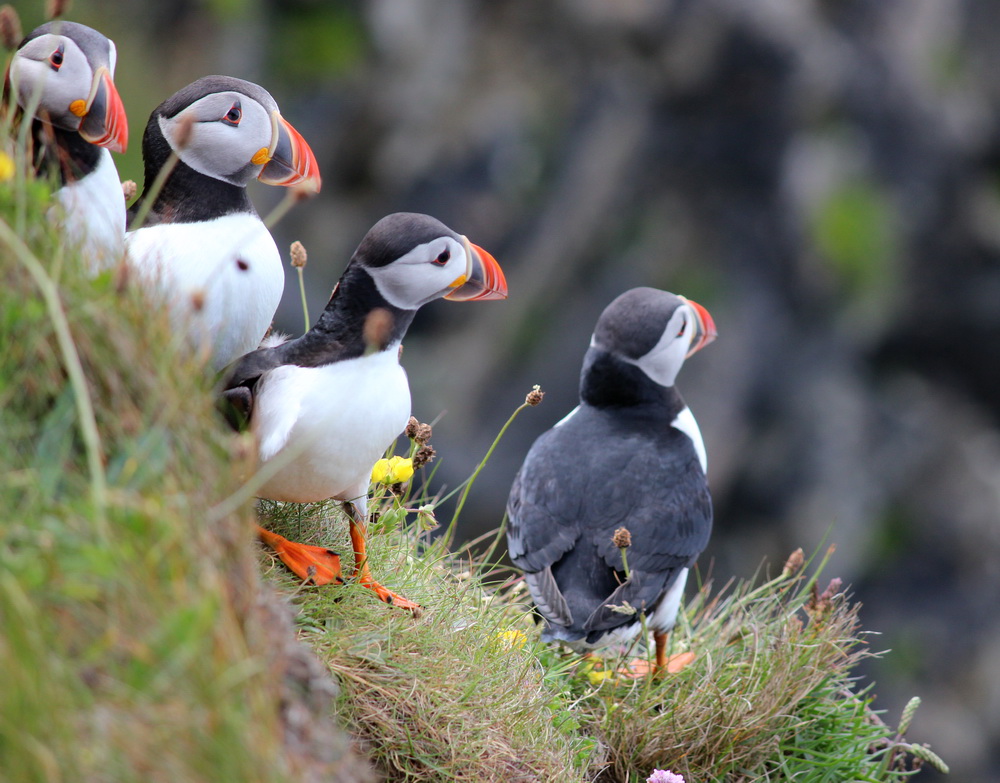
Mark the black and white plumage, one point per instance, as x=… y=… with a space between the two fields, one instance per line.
x=202 y=243
x=326 y=406
x=63 y=77
x=630 y=455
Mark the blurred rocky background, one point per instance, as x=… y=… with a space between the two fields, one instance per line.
x=822 y=175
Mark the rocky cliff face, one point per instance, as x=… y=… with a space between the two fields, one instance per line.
x=823 y=176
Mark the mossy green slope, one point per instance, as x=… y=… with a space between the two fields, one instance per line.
x=137 y=643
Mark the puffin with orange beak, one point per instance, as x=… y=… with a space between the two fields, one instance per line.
x=202 y=244
x=325 y=407
x=629 y=456
x=62 y=75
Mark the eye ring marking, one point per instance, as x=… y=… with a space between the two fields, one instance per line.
x=57 y=57
x=443 y=257
x=234 y=115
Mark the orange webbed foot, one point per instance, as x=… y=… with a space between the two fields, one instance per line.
x=315 y=564
x=389 y=597
x=640 y=667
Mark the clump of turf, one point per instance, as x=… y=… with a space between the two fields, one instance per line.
x=454 y=694
x=137 y=642
x=467 y=692
x=769 y=696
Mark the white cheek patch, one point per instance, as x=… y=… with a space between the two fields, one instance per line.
x=662 y=363
x=685 y=422
x=53 y=91
x=216 y=149
x=413 y=280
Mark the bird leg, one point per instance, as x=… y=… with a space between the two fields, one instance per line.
x=315 y=564
x=640 y=667
x=660 y=640
x=356 y=513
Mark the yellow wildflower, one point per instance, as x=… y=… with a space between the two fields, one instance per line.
x=597 y=677
x=392 y=471
x=513 y=640
x=6 y=167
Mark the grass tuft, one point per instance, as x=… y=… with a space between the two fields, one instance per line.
x=452 y=695
x=468 y=689
x=137 y=643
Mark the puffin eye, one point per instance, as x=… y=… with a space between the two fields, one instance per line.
x=234 y=115
x=442 y=258
x=682 y=329
x=56 y=58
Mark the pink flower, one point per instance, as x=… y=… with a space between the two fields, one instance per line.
x=664 y=776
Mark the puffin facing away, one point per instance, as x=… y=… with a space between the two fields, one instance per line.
x=325 y=407
x=630 y=455
x=202 y=243
x=63 y=78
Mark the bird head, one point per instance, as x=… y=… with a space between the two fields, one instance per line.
x=415 y=259
x=232 y=130
x=63 y=73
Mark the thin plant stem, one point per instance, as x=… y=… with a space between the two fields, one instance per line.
x=74 y=369
x=149 y=196
x=628 y=575
x=302 y=292
x=449 y=533
x=291 y=196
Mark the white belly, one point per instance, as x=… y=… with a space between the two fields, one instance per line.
x=325 y=427
x=222 y=280
x=93 y=212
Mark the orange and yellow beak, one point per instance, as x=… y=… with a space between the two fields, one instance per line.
x=483 y=278
x=704 y=327
x=103 y=121
x=290 y=160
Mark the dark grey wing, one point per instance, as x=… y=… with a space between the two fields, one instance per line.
x=543 y=506
x=239 y=381
x=542 y=527
x=235 y=400
x=661 y=496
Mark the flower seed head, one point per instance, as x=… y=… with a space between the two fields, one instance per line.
x=793 y=563
x=925 y=753
x=378 y=327
x=10 y=27
x=56 y=8
x=535 y=395
x=424 y=456
x=622 y=538
x=302 y=191
x=908 y=713
x=298 y=253
x=418 y=431
x=831 y=590
x=198 y=299
x=129 y=189
x=185 y=125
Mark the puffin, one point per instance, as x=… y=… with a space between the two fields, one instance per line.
x=326 y=406
x=201 y=244
x=62 y=76
x=631 y=456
